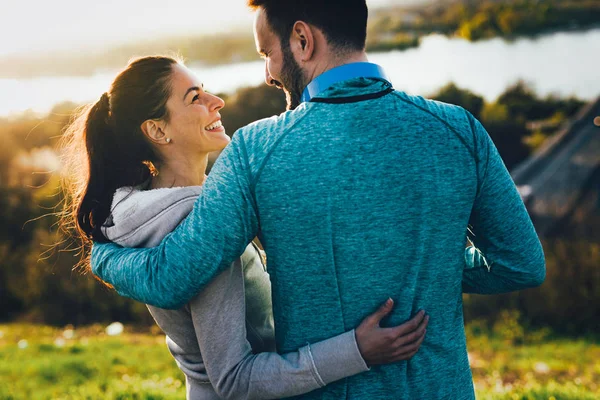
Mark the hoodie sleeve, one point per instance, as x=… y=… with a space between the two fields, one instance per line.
x=144 y=219
x=502 y=228
x=219 y=318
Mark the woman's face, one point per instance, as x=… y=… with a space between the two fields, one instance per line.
x=194 y=119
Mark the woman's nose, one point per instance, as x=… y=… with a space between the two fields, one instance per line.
x=218 y=103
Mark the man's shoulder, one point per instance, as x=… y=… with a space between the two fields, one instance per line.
x=261 y=137
x=267 y=128
x=456 y=117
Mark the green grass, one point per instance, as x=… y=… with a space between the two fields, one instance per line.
x=92 y=365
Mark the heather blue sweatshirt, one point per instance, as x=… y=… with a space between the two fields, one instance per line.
x=363 y=196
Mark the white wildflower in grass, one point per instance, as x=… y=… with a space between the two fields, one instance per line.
x=68 y=334
x=114 y=329
x=541 y=368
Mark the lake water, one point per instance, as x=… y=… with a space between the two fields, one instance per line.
x=565 y=63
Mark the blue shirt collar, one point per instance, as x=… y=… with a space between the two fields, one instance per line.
x=342 y=73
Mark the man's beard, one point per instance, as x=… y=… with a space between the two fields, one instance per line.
x=292 y=79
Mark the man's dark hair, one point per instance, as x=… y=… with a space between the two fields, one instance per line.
x=343 y=22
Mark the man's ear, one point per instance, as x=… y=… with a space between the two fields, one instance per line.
x=153 y=130
x=302 y=41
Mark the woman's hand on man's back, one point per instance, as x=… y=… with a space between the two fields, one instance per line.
x=387 y=345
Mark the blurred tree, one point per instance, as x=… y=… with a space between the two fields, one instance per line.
x=250 y=104
x=478 y=27
x=506 y=132
x=520 y=101
x=569 y=299
x=508 y=21
x=523 y=103
x=462 y=97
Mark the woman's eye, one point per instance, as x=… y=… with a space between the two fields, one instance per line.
x=196 y=97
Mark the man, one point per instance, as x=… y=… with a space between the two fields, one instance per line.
x=359 y=193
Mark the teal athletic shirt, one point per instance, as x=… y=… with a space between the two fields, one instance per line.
x=362 y=197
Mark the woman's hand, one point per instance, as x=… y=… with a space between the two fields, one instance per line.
x=387 y=345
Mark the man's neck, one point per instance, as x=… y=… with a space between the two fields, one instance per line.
x=332 y=62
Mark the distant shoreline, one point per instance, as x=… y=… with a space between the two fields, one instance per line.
x=389 y=28
x=486 y=68
x=83 y=66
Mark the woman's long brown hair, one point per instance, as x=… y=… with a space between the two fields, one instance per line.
x=104 y=147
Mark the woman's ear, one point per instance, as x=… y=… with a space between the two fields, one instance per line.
x=153 y=130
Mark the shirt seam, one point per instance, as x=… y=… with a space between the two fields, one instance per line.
x=448 y=126
x=254 y=182
x=243 y=153
x=475 y=149
x=481 y=182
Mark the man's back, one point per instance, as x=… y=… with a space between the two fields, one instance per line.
x=367 y=199
x=360 y=195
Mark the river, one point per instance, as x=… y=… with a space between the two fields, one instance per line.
x=564 y=63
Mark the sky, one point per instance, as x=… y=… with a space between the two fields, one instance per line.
x=42 y=25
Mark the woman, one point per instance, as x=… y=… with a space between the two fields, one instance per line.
x=136 y=162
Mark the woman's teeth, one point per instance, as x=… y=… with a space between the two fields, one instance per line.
x=214 y=125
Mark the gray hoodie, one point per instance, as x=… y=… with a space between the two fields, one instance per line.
x=223 y=339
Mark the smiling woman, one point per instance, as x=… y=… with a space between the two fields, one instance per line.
x=153 y=128
x=108 y=146
x=191 y=129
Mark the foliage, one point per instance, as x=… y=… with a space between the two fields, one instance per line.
x=485 y=19
x=251 y=103
x=522 y=103
x=398 y=41
x=568 y=300
x=465 y=98
x=481 y=19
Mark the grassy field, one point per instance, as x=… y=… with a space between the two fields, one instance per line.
x=48 y=363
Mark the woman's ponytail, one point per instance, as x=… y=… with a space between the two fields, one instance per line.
x=103 y=166
x=104 y=147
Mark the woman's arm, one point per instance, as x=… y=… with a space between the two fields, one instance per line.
x=219 y=317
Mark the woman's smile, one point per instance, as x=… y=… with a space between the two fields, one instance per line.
x=216 y=126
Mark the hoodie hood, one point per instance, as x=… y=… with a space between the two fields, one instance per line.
x=142 y=218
